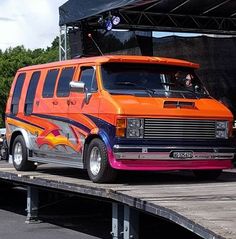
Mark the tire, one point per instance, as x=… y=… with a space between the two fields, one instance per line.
x=20 y=155
x=207 y=174
x=97 y=163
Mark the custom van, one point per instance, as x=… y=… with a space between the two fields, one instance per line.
x=111 y=113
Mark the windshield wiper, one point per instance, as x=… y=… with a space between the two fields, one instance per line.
x=149 y=91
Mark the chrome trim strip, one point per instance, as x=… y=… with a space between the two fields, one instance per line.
x=117 y=146
x=57 y=161
x=212 y=154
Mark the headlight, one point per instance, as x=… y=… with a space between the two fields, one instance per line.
x=221 y=129
x=221 y=125
x=134 y=128
x=135 y=123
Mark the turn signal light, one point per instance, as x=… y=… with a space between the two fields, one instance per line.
x=120 y=127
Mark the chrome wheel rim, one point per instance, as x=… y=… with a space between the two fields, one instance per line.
x=18 y=154
x=95 y=161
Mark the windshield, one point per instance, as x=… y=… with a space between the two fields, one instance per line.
x=151 y=80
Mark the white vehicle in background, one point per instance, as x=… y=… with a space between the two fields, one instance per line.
x=2 y=135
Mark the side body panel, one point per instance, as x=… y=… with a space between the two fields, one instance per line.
x=58 y=126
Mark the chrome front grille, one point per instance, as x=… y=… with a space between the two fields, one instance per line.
x=179 y=129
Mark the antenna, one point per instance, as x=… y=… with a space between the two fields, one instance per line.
x=95 y=43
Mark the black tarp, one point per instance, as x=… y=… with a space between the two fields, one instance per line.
x=216 y=56
x=73 y=10
x=217 y=59
x=112 y=41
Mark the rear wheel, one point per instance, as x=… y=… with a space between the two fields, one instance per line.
x=207 y=174
x=20 y=155
x=98 y=167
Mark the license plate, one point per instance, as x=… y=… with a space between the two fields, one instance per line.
x=181 y=154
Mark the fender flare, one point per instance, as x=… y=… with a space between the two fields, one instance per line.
x=24 y=133
x=104 y=136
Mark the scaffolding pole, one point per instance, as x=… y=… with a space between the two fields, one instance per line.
x=63 y=49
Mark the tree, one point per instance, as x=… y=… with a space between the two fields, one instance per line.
x=14 y=58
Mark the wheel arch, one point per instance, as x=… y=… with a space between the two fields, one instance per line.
x=86 y=144
x=100 y=135
x=15 y=134
x=106 y=173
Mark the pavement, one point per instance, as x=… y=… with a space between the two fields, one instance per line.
x=13 y=226
x=66 y=216
x=57 y=224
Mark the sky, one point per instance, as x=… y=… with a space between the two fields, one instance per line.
x=32 y=23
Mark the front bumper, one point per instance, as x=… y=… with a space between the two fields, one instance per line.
x=130 y=152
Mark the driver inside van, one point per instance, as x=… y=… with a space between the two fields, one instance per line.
x=184 y=80
x=188 y=81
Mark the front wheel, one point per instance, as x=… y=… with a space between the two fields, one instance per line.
x=207 y=174
x=20 y=155
x=98 y=167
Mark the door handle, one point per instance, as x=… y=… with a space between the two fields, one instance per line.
x=55 y=102
x=71 y=102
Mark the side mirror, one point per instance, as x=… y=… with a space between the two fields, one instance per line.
x=80 y=87
x=77 y=87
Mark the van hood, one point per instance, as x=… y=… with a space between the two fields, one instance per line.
x=174 y=107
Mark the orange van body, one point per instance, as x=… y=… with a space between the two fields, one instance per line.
x=108 y=129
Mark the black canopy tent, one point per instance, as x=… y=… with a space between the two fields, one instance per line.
x=74 y=11
x=209 y=16
x=215 y=55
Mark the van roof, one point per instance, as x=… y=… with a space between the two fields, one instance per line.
x=115 y=58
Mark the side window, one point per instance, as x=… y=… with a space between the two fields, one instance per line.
x=63 y=87
x=88 y=76
x=17 y=93
x=49 y=83
x=29 y=100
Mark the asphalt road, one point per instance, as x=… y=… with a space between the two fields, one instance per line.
x=13 y=226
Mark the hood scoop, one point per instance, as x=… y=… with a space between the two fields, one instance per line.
x=179 y=104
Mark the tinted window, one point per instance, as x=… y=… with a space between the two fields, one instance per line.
x=63 y=88
x=152 y=79
x=17 y=93
x=29 y=101
x=49 y=83
x=88 y=76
